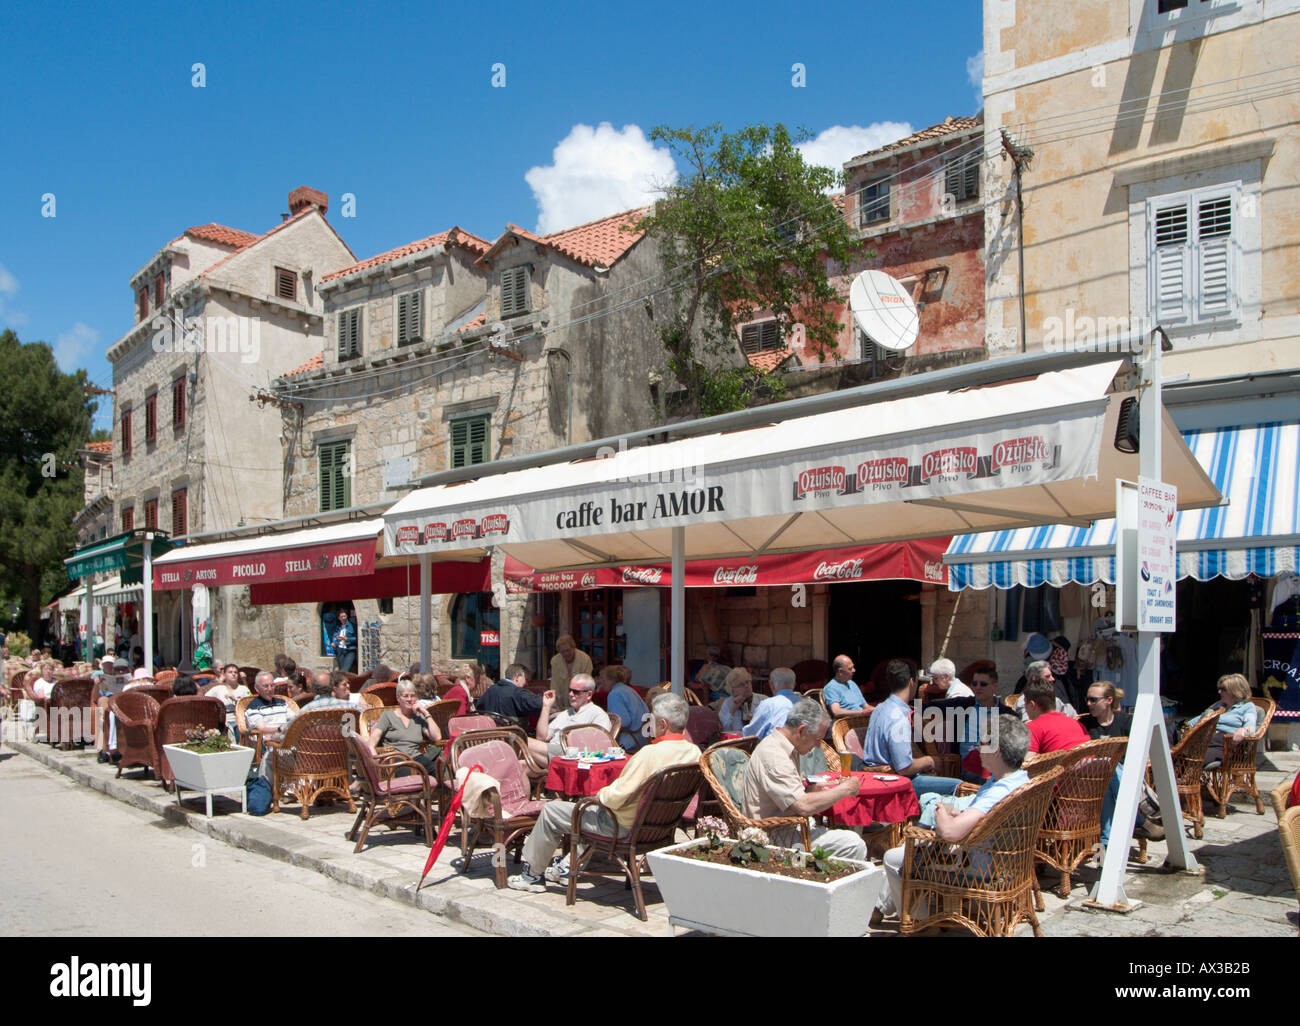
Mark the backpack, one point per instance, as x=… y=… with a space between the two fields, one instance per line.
x=259 y=797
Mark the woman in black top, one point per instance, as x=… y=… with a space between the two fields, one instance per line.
x=1104 y=717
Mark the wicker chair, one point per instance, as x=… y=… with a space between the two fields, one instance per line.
x=67 y=723
x=459 y=724
x=588 y=738
x=158 y=692
x=1071 y=831
x=1189 y=764
x=390 y=800
x=165 y=676
x=661 y=802
x=703 y=726
x=386 y=692
x=663 y=688
x=177 y=715
x=249 y=674
x=1010 y=702
x=1236 y=771
x=241 y=721
x=986 y=883
x=848 y=732
x=135 y=712
x=723 y=767
x=370 y=701
x=441 y=712
x=516 y=736
x=1288 y=829
x=311 y=760
x=500 y=757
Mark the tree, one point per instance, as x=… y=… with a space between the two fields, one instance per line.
x=750 y=228
x=44 y=419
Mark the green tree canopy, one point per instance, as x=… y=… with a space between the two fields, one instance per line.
x=44 y=419
x=750 y=228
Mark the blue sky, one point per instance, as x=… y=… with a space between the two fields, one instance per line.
x=397 y=106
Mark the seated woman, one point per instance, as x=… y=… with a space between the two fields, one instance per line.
x=1105 y=718
x=426 y=688
x=285 y=670
x=1239 y=717
x=626 y=704
x=469 y=686
x=405 y=727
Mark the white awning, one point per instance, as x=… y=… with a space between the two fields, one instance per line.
x=1032 y=451
x=109 y=593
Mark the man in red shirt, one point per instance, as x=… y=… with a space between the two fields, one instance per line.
x=1049 y=730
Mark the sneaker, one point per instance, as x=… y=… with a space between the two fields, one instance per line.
x=1151 y=831
x=526 y=882
x=557 y=872
x=102 y=757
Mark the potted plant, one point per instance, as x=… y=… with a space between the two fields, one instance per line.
x=208 y=762
x=746 y=886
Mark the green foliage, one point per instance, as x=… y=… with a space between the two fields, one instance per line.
x=745 y=852
x=749 y=228
x=823 y=860
x=19 y=644
x=206 y=741
x=44 y=420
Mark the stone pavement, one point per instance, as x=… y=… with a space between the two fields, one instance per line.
x=1243 y=889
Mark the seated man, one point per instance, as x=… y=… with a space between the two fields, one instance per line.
x=1049 y=730
x=624 y=702
x=509 y=698
x=773 y=783
x=739 y=708
x=329 y=693
x=267 y=714
x=944 y=682
x=1041 y=670
x=889 y=735
x=771 y=712
x=582 y=710
x=669 y=748
x=842 y=695
x=230 y=687
x=1003 y=756
x=984 y=681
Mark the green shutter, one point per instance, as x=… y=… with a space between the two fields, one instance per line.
x=335 y=484
x=469 y=441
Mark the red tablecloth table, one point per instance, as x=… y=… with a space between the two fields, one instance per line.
x=564 y=776
x=879 y=801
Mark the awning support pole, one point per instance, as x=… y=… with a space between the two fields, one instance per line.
x=426 y=609
x=1147 y=735
x=147 y=582
x=88 y=651
x=678 y=612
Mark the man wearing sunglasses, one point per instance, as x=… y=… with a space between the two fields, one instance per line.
x=582 y=710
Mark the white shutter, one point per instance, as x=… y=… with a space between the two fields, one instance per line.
x=1171 y=260
x=1215 y=296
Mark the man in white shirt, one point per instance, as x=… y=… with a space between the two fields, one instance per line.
x=581 y=710
x=943 y=679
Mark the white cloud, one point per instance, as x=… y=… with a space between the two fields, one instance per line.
x=596 y=172
x=839 y=143
x=70 y=346
x=975 y=74
x=9 y=289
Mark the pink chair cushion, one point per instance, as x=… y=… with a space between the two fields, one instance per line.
x=501 y=761
x=459 y=724
x=402 y=785
x=588 y=739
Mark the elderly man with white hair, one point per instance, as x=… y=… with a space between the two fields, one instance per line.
x=618 y=801
x=771 y=712
x=944 y=682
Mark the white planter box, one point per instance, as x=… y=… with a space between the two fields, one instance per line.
x=734 y=900
x=211 y=772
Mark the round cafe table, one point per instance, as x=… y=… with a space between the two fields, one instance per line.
x=879 y=801
x=564 y=776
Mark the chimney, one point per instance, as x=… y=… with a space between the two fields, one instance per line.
x=303 y=197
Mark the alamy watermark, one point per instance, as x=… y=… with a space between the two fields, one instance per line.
x=641 y=465
x=1079 y=333
x=241 y=335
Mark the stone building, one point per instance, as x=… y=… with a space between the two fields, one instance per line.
x=219 y=314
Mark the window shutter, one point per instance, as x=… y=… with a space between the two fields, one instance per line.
x=335 y=488
x=126 y=434
x=151 y=418
x=286 y=283
x=158 y=289
x=514 y=291
x=178 y=403
x=410 y=323
x=128 y=518
x=469 y=442
x=757 y=338
x=1214 y=237
x=478 y=430
x=349 y=334
x=1171 y=266
x=151 y=513
x=179 y=519
x=459 y=437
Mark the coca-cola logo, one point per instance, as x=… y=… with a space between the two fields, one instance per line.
x=934 y=571
x=588 y=580
x=435 y=532
x=820 y=479
x=1016 y=451
x=642 y=574
x=736 y=575
x=958 y=460
x=408 y=535
x=888 y=470
x=845 y=570
x=464 y=529
x=496 y=523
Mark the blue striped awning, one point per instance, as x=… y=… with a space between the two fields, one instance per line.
x=1257 y=468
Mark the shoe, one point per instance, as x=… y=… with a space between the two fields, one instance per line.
x=115 y=757
x=101 y=758
x=557 y=872
x=526 y=882
x=1151 y=831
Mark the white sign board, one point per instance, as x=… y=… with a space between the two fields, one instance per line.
x=397 y=473
x=1157 y=565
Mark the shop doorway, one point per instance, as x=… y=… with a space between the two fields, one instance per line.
x=872 y=622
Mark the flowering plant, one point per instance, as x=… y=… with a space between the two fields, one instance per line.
x=752 y=847
x=715 y=828
x=206 y=741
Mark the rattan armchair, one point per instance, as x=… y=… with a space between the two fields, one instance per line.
x=663 y=688
x=69 y=719
x=986 y=882
x=588 y=737
x=135 y=712
x=387 y=692
x=1189 y=765
x=1288 y=829
x=441 y=712
x=1236 y=771
x=723 y=767
x=661 y=803
x=516 y=736
x=513 y=811
x=312 y=759
x=1279 y=797
x=177 y=715
x=1071 y=831
x=158 y=692
x=388 y=799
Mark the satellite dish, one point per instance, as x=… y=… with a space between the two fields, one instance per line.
x=883 y=310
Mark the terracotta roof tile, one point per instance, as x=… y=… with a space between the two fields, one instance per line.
x=477 y=322
x=769 y=360
x=222 y=235
x=265 y=235
x=454 y=236
x=599 y=243
x=948 y=126
x=315 y=363
x=104 y=447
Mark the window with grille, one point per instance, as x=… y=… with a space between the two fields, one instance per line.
x=514 y=292
x=128 y=518
x=335 y=475
x=126 y=434
x=143 y=308
x=410 y=320
x=349 y=334
x=178 y=403
x=873 y=203
x=1193 y=256
x=151 y=418
x=755 y=338
x=469 y=441
x=961 y=177
x=151 y=513
x=158 y=286
x=286 y=283
x=179 y=519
